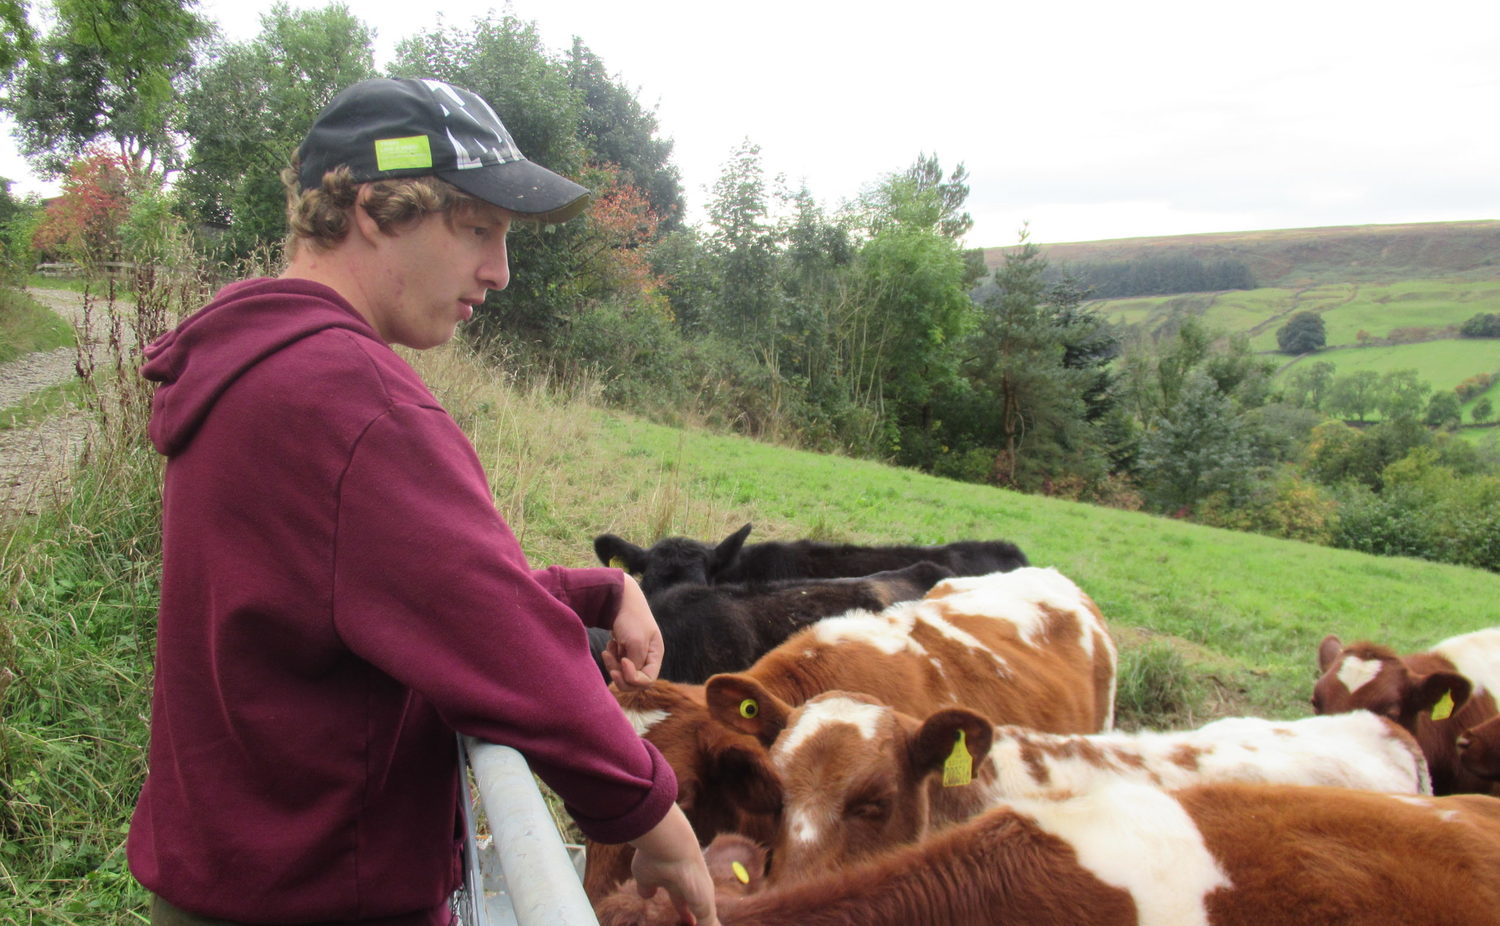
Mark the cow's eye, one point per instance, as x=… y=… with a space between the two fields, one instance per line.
x=869 y=809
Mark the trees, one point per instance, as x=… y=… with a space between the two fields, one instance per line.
x=1198 y=448
x=1036 y=363
x=1482 y=411
x=1402 y=394
x=250 y=107
x=1303 y=333
x=1444 y=410
x=1483 y=325
x=743 y=243
x=619 y=130
x=84 y=223
x=1354 y=395
x=1307 y=386
x=107 y=71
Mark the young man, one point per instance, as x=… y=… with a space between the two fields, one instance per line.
x=339 y=594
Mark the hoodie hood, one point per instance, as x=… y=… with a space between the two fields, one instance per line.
x=246 y=322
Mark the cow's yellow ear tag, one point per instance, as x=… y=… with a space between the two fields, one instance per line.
x=958 y=769
x=748 y=708
x=616 y=563
x=740 y=873
x=1444 y=708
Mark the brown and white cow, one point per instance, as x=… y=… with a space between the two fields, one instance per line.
x=1479 y=749
x=1228 y=854
x=855 y=777
x=1435 y=695
x=1026 y=645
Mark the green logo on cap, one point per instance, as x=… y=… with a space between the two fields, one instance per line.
x=403 y=153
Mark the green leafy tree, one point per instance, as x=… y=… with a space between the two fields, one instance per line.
x=1444 y=410
x=744 y=242
x=108 y=70
x=1307 y=386
x=1482 y=411
x=1483 y=325
x=1303 y=333
x=920 y=197
x=1037 y=360
x=1153 y=377
x=617 y=129
x=1354 y=395
x=18 y=218
x=1199 y=448
x=1402 y=394
x=17 y=38
x=251 y=106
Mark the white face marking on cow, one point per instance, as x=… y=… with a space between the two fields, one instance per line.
x=1355 y=673
x=803 y=828
x=643 y=721
x=889 y=631
x=820 y=715
x=1476 y=656
x=1141 y=840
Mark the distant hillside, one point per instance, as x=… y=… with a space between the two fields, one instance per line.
x=1308 y=256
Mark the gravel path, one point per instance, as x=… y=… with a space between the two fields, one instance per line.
x=34 y=461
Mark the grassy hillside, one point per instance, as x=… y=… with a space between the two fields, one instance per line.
x=1301 y=257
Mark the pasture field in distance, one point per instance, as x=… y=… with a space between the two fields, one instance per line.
x=1391 y=297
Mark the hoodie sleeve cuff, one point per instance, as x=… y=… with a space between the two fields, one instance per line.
x=645 y=815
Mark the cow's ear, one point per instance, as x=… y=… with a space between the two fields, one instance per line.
x=620 y=553
x=1328 y=651
x=743 y=773
x=1442 y=693
x=741 y=703
x=727 y=550
x=953 y=737
x=736 y=861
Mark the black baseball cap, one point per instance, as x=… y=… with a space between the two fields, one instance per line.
x=385 y=128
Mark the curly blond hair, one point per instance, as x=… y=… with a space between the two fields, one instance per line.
x=321 y=216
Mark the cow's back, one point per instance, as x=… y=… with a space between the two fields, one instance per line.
x=1025 y=647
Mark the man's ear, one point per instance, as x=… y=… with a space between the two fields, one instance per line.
x=361 y=222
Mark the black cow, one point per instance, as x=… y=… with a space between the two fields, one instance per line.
x=677 y=560
x=724 y=628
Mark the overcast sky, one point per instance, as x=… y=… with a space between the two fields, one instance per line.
x=1086 y=119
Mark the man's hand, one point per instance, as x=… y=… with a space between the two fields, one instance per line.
x=668 y=858
x=633 y=656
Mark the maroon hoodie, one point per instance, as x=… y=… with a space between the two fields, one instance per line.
x=339 y=596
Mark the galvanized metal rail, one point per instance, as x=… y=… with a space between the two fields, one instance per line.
x=524 y=874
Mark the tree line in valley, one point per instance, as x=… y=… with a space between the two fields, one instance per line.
x=867 y=328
